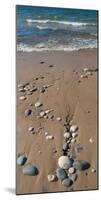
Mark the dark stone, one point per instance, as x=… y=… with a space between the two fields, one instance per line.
x=61 y=174
x=28 y=112
x=67 y=182
x=74 y=177
x=81 y=165
x=30 y=170
x=21 y=159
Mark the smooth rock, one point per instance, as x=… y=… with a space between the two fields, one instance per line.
x=61 y=174
x=73 y=177
x=71 y=170
x=49 y=137
x=22 y=98
x=21 y=159
x=42 y=114
x=51 y=177
x=30 y=129
x=73 y=128
x=73 y=140
x=81 y=165
x=74 y=135
x=65 y=162
x=48 y=111
x=65 y=146
x=85 y=69
x=93 y=170
x=30 y=170
x=28 y=112
x=58 y=118
x=37 y=104
x=67 y=135
x=67 y=182
x=91 y=140
x=21 y=90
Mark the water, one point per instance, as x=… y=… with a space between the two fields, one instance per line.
x=42 y=28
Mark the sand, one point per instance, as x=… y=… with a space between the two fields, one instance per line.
x=67 y=94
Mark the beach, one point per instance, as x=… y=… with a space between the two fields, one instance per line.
x=68 y=92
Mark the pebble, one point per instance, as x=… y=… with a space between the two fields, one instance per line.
x=61 y=174
x=30 y=170
x=46 y=117
x=91 y=140
x=49 y=137
x=58 y=118
x=20 y=85
x=65 y=162
x=81 y=165
x=48 y=111
x=21 y=159
x=67 y=182
x=85 y=69
x=37 y=104
x=21 y=90
x=50 y=116
x=28 y=112
x=65 y=146
x=33 y=89
x=51 y=177
x=73 y=177
x=67 y=135
x=30 y=129
x=42 y=114
x=73 y=128
x=71 y=170
x=22 y=98
x=42 y=90
x=93 y=170
x=74 y=135
x=46 y=133
x=73 y=140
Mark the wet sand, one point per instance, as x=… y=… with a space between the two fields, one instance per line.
x=68 y=94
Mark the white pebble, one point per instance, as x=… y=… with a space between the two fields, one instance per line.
x=37 y=104
x=49 y=137
x=71 y=170
x=22 y=98
x=58 y=119
x=42 y=114
x=74 y=135
x=46 y=133
x=93 y=170
x=73 y=140
x=91 y=140
x=51 y=177
x=67 y=135
x=73 y=128
x=30 y=129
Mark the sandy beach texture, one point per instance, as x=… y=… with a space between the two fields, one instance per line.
x=67 y=93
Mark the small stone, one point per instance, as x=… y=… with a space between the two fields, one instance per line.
x=85 y=69
x=73 y=177
x=93 y=170
x=58 y=119
x=42 y=90
x=71 y=170
x=51 y=116
x=37 y=104
x=20 y=85
x=81 y=165
x=30 y=170
x=42 y=114
x=67 y=135
x=49 y=137
x=54 y=150
x=33 y=89
x=28 y=112
x=51 y=177
x=73 y=140
x=48 y=111
x=91 y=140
x=21 y=159
x=46 y=133
x=51 y=66
x=21 y=90
x=45 y=116
x=74 y=135
x=67 y=182
x=65 y=162
x=30 y=129
x=61 y=174
x=65 y=146
x=42 y=62
x=22 y=98
x=73 y=128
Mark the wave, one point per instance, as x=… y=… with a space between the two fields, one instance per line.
x=70 y=23
x=57 y=47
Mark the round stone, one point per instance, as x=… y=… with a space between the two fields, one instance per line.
x=93 y=170
x=51 y=177
x=37 y=104
x=61 y=174
x=30 y=170
x=67 y=182
x=71 y=170
x=73 y=128
x=21 y=90
x=67 y=135
x=42 y=114
x=21 y=159
x=81 y=165
x=65 y=162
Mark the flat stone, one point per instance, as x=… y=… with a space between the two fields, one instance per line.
x=21 y=159
x=30 y=170
x=48 y=111
x=37 y=104
x=51 y=177
x=61 y=174
x=73 y=177
x=81 y=165
x=73 y=128
x=20 y=85
x=22 y=98
x=67 y=182
x=65 y=146
x=28 y=112
x=65 y=162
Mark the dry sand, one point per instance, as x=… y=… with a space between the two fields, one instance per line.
x=68 y=94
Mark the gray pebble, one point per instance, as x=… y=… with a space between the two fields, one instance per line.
x=67 y=182
x=73 y=177
x=30 y=170
x=81 y=165
x=61 y=174
x=21 y=159
x=65 y=146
